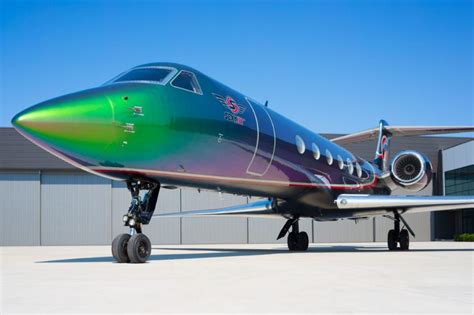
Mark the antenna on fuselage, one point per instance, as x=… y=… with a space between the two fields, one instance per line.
x=266 y=103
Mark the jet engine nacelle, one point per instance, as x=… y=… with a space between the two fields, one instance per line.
x=411 y=170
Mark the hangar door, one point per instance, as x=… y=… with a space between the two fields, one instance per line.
x=20 y=209
x=75 y=209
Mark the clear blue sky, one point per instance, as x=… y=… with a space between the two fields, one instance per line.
x=333 y=66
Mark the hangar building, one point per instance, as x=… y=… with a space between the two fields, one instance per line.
x=45 y=201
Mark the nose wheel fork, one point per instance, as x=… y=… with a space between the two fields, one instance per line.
x=135 y=247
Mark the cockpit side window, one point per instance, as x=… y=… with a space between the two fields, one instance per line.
x=187 y=81
x=159 y=75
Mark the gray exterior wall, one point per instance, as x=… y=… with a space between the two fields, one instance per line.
x=458 y=156
x=20 y=220
x=75 y=209
x=211 y=230
x=58 y=208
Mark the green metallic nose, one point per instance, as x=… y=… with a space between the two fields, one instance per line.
x=79 y=124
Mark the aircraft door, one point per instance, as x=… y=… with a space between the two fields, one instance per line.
x=266 y=140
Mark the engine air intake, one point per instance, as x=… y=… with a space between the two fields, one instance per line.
x=407 y=167
x=411 y=170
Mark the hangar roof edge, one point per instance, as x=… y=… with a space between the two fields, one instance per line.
x=17 y=153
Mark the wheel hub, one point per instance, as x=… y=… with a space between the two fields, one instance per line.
x=142 y=249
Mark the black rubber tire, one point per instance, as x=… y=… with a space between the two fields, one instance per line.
x=292 y=241
x=119 y=248
x=303 y=241
x=139 y=248
x=404 y=240
x=392 y=240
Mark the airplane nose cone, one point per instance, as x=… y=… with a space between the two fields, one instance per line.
x=76 y=124
x=15 y=120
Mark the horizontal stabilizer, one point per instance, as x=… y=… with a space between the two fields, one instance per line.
x=406 y=203
x=259 y=208
x=401 y=131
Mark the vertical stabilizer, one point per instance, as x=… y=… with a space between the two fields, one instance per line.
x=383 y=147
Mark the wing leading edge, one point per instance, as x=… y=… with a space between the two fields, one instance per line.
x=348 y=204
x=261 y=208
x=376 y=204
x=401 y=131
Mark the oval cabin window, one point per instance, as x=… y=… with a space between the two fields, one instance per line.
x=316 y=152
x=340 y=162
x=350 y=166
x=329 y=157
x=300 y=144
x=358 y=170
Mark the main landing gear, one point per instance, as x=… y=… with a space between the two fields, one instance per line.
x=399 y=236
x=297 y=241
x=135 y=247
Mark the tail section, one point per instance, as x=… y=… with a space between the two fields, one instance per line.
x=382 y=153
x=384 y=132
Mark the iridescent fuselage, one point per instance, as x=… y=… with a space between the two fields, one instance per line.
x=219 y=140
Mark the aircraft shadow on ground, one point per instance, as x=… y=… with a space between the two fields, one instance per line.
x=208 y=253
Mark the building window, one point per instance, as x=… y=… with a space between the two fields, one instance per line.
x=329 y=157
x=460 y=182
x=316 y=152
x=300 y=144
x=340 y=162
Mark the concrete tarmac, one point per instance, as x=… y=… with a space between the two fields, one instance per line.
x=433 y=277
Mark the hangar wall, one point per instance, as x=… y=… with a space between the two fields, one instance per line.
x=75 y=208
x=20 y=222
x=45 y=201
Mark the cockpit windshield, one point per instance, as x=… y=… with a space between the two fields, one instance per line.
x=159 y=75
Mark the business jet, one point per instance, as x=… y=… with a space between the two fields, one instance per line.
x=166 y=125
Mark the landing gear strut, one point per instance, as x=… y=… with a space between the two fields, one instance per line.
x=135 y=247
x=297 y=241
x=397 y=235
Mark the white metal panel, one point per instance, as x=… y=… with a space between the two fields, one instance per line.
x=160 y=230
x=19 y=209
x=212 y=230
x=458 y=156
x=75 y=209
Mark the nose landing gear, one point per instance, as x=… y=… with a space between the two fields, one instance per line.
x=139 y=248
x=119 y=248
x=135 y=247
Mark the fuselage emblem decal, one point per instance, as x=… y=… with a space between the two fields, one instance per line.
x=233 y=109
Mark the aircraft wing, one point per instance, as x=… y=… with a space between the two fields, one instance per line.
x=376 y=204
x=400 y=131
x=351 y=204
x=258 y=209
